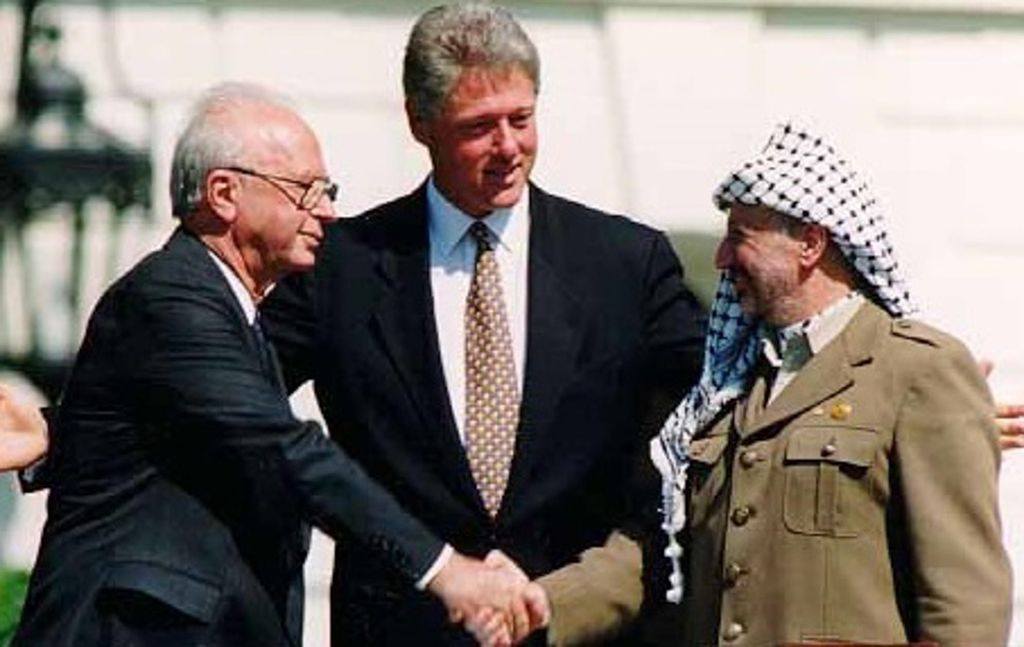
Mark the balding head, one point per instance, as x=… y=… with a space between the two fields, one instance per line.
x=232 y=124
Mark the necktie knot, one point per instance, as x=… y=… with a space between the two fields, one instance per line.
x=482 y=235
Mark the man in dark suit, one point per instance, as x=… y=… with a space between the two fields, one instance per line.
x=484 y=348
x=180 y=480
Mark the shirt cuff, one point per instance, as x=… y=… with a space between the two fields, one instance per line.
x=435 y=568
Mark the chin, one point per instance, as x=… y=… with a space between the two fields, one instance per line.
x=507 y=198
x=302 y=263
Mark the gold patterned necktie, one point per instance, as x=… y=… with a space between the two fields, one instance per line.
x=492 y=390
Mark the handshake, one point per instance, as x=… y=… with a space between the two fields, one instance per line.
x=493 y=599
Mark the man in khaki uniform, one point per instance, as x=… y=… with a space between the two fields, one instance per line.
x=839 y=460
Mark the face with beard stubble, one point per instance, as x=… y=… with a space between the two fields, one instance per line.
x=764 y=259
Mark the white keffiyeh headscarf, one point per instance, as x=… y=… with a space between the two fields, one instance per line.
x=799 y=175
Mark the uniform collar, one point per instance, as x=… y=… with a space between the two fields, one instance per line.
x=792 y=346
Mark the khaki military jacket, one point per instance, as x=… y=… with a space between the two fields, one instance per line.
x=860 y=505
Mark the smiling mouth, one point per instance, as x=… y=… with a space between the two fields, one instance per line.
x=504 y=175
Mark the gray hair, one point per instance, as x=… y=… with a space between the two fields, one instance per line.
x=450 y=38
x=206 y=144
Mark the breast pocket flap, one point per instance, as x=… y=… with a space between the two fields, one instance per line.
x=833 y=444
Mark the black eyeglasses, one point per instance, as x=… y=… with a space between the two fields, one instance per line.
x=312 y=191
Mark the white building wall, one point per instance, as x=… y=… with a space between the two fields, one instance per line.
x=644 y=106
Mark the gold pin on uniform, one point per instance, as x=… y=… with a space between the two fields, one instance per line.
x=841 y=411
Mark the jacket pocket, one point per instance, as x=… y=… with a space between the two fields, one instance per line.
x=705 y=476
x=147 y=583
x=822 y=466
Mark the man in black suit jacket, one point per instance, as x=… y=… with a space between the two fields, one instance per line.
x=180 y=480
x=594 y=307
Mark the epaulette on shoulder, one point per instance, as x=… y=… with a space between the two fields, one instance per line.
x=917 y=331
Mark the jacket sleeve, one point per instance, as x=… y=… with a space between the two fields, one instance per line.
x=595 y=598
x=947 y=461
x=192 y=371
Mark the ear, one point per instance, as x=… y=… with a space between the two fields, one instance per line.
x=417 y=126
x=221 y=192
x=814 y=240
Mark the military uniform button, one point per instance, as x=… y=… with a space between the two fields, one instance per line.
x=733 y=631
x=749 y=458
x=733 y=573
x=742 y=515
x=828 y=450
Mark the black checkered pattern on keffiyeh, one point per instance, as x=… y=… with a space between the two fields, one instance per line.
x=797 y=174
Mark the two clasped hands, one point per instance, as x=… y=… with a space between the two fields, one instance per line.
x=493 y=599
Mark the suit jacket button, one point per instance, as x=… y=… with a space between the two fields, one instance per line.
x=742 y=515
x=749 y=458
x=733 y=631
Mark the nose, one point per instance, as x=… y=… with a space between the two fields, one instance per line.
x=324 y=210
x=505 y=139
x=724 y=256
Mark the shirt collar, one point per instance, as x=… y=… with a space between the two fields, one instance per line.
x=237 y=288
x=791 y=347
x=448 y=224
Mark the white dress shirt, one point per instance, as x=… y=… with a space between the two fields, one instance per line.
x=452 y=258
x=237 y=288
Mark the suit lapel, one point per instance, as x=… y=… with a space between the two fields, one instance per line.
x=828 y=373
x=184 y=243
x=404 y=320
x=554 y=332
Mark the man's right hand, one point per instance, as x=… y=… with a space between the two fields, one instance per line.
x=23 y=439
x=529 y=611
x=468 y=586
x=494 y=599
x=490 y=630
